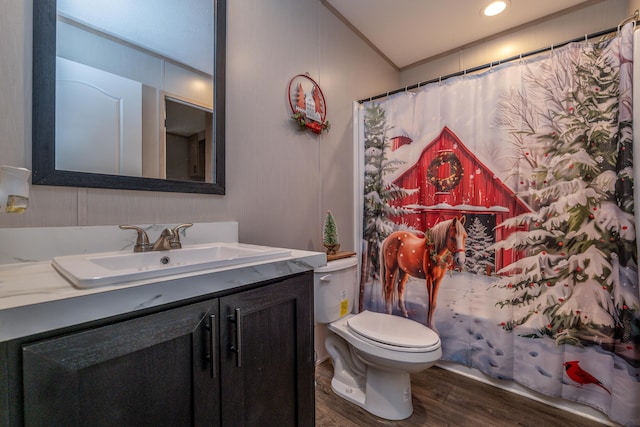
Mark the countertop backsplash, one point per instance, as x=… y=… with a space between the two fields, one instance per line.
x=19 y=245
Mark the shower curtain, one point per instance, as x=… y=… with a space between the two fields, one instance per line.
x=534 y=157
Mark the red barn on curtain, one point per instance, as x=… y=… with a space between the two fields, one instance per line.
x=451 y=181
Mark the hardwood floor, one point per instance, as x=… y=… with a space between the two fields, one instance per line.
x=443 y=398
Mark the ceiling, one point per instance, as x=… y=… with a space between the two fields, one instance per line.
x=409 y=31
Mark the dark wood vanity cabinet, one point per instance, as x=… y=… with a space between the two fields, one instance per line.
x=244 y=359
x=267 y=379
x=153 y=370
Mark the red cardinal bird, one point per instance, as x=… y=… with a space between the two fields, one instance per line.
x=579 y=375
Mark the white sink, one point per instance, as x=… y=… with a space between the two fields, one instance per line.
x=108 y=268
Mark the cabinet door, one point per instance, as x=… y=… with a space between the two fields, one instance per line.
x=151 y=371
x=267 y=355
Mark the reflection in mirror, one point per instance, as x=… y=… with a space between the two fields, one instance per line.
x=109 y=69
x=98 y=120
x=188 y=139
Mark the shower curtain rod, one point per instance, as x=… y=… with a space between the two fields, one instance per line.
x=512 y=58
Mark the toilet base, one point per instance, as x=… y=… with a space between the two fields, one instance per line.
x=394 y=404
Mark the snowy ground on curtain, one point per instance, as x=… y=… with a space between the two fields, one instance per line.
x=474 y=337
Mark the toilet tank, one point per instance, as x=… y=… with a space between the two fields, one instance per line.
x=335 y=289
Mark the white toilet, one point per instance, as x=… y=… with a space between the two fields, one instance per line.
x=372 y=353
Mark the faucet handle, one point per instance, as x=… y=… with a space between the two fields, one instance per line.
x=142 y=242
x=176 y=244
x=177 y=228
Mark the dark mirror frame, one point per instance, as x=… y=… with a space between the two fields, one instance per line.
x=43 y=119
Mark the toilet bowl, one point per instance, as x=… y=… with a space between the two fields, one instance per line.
x=373 y=354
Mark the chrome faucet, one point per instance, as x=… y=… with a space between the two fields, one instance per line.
x=168 y=239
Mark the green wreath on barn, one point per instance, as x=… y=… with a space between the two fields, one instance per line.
x=455 y=167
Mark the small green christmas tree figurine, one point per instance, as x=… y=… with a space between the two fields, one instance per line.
x=330 y=235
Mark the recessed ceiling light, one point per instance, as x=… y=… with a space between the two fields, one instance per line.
x=494 y=8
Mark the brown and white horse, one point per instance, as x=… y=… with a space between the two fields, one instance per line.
x=404 y=254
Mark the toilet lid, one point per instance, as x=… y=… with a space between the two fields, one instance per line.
x=393 y=330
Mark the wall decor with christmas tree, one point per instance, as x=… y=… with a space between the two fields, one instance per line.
x=308 y=106
x=538 y=160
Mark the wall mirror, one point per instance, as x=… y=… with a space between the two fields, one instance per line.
x=129 y=94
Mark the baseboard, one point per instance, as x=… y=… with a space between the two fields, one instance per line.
x=321 y=359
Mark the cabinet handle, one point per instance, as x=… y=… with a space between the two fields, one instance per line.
x=213 y=345
x=237 y=349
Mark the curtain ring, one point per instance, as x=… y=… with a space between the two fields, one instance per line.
x=520 y=58
x=586 y=38
x=440 y=81
x=635 y=16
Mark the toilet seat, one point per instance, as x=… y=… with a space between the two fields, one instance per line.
x=393 y=332
x=401 y=359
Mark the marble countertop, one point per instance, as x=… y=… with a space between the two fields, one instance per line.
x=35 y=298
